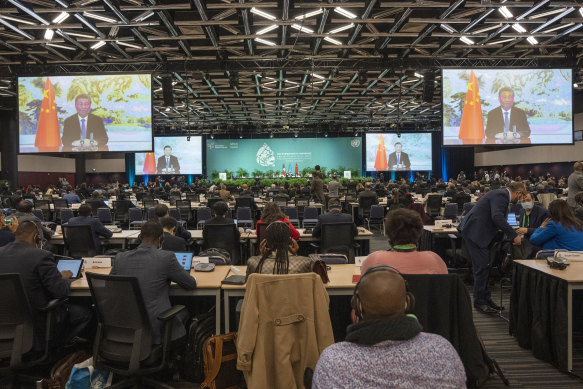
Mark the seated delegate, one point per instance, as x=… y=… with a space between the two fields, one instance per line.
x=404 y=227
x=272 y=213
x=561 y=231
x=531 y=216
x=278 y=253
x=385 y=347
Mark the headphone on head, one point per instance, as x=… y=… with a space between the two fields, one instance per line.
x=355 y=302
x=39 y=239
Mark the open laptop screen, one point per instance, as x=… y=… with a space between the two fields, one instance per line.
x=185 y=260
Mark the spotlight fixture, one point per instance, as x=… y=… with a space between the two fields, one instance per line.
x=188 y=138
x=98 y=45
x=271 y=135
x=296 y=134
x=212 y=136
x=61 y=18
x=326 y=135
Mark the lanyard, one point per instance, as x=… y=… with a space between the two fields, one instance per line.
x=527 y=218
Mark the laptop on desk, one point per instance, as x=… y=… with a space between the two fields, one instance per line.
x=185 y=260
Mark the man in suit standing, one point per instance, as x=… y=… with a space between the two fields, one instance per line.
x=399 y=158
x=506 y=117
x=168 y=163
x=97 y=228
x=155 y=269
x=171 y=242
x=575 y=184
x=334 y=216
x=479 y=229
x=84 y=125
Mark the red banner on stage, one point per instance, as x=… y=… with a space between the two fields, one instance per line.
x=48 y=137
x=150 y=164
x=472 y=125
x=380 y=162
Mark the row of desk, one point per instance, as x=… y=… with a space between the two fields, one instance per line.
x=209 y=284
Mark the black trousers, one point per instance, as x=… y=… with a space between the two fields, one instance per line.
x=480 y=258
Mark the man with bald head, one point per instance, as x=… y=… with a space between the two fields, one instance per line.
x=385 y=346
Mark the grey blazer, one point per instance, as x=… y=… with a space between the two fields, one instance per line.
x=154 y=269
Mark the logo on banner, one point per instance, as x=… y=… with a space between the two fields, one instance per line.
x=265 y=156
x=211 y=145
x=355 y=142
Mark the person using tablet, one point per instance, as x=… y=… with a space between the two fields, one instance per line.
x=155 y=269
x=42 y=282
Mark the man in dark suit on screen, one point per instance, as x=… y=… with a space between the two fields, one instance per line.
x=506 y=117
x=399 y=158
x=480 y=227
x=84 y=125
x=168 y=163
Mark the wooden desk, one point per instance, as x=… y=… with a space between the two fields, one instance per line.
x=571 y=279
x=207 y=284
x=340 y=285
x=430 y=233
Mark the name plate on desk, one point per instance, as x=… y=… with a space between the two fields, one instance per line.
x=97 y=262
x=443 y=223
x=196 y=260
x=359 y=260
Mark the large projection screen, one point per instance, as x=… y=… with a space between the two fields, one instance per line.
x=277 y=154
x=172 y=155
x=398 y=152
x=85 y=113
x=507 y=106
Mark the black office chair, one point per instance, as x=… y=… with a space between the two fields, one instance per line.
x=45 y=207
x=66 y=215
x=244 y=201
x=124 y=338
x=434 y=205
x=212 y=201
x=121 y=210
x=79 y=241
x=364 y=204
x=58 y=205
x=222 y=236
x=185 y=210
x=337 y=238
x=244 y=217
x=17 y=331
x=104 y=215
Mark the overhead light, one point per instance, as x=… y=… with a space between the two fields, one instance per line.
x=344 y=12
x=418 y=75
x=448 y=28
x=575 y=85
x=16 y=29
x=499 y=41
x=240 y=136
x=532 y=40
x=493 y=27
x=328 y=39
x=547 y=13
x=518 y=27
x=19 y=20
x=212 y=136
x=263 y=14
x=99 y=17
x=61 y=18
x=143 y=16
x=558 y=27
x=167 y=109
x=318 y=76
x=49 y=34
x=326 y=135
x=302 y=29
x=267 y=29
x=29 y=11
x=296 y=134
x=271 y=135
x=309 y=14
x=80 y=35
x=341 y=28
x=265 y=42
x=61 y=46
x=467 y=40
x=581 y=11
x=188 y=138
x=98 y=45
x=129 y=44
x=505 y=12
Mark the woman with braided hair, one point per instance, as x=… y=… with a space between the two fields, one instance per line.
x=278 y=253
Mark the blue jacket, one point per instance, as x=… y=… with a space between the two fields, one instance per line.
x=488 y=216
x=72 y=198
x=96 y=226
x=556 y=236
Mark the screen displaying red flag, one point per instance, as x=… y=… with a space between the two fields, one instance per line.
x=297 y=171
x=150 y=164
x=380 y=162
x=472 y=125
x=283 y=170
x=48 y=137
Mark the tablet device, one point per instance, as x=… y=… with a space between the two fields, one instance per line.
x=185 y=260
x=106 y=202
x=73 y=265
x=511 y=219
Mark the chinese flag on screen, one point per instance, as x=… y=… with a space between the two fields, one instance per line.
x=283 y=169
x=150 y=164
x=380 y=162
x=297 y=172
x=47 y=131
x=472 y=126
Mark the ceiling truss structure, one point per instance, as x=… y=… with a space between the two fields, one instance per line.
x=286 y=65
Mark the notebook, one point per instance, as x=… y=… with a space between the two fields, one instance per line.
x=185 y=260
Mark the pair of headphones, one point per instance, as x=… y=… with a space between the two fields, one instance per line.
x=355 y=302
x=39 y=239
